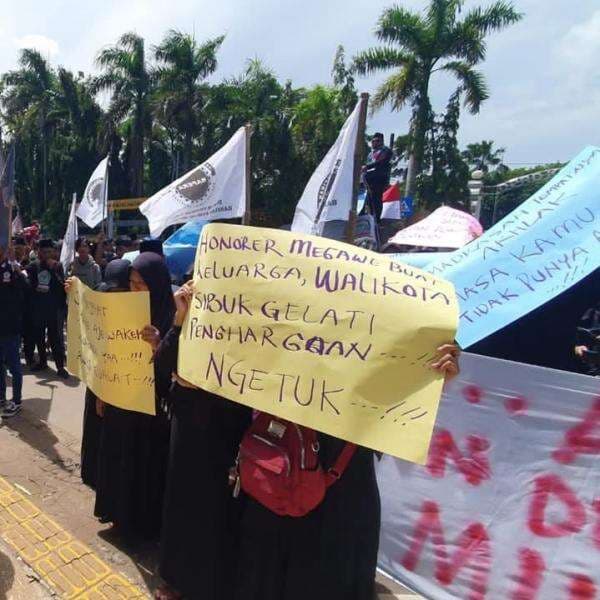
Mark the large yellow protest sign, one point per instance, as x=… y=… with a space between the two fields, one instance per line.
x=105 y=349
x=324 y=334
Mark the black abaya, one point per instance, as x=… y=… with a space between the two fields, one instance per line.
x=330 y=554
x=131 y=471
x=201 y=518
x=116 y=280
x=90 y=441
x=134 y=446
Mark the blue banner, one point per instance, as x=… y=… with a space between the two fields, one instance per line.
x=541 y=249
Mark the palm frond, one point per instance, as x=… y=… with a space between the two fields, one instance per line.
x=472 y=84
x=397 y=89
x=379 y=59
x=492 y=18
x=403 y=27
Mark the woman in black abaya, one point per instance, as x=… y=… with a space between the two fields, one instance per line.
x=331 y=553
x=134 y=446
x=201 y=518
x=116 y=279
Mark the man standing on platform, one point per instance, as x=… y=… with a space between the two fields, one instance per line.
x=13 y=288
x=377 y=174
x=47 y=280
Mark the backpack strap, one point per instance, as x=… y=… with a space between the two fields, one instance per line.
x=340 y=465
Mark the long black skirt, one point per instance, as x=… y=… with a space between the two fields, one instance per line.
x=90 y=440
x=132 y=466
x=330 y=554
x=200 y=533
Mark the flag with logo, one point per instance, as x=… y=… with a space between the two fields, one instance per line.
x=216 y=189
x=67 y=252
x=93 y=203
x=328 y=194
x=7 y=178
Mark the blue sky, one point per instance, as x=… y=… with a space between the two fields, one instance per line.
x=543 y=73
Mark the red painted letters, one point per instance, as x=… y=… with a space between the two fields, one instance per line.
x=581 y=439
x=546 y=487
x=475 y=465
x=530 y=576
x=473 y=548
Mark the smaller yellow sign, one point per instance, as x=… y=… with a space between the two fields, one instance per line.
x=125 y=204
x=105 y=347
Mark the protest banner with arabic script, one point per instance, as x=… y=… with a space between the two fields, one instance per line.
x=539 y=250
x=105 y=347
x=319 y=332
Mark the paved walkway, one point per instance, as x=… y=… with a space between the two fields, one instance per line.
x=49 y=539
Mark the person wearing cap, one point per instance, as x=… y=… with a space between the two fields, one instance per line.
x=84 y=267
x=377 y=174
x=13 y=289
x=47 y=279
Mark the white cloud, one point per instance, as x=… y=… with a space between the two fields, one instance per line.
x=47 y=46
x=578 y=51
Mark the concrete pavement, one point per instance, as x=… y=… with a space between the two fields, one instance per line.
x=39 y=467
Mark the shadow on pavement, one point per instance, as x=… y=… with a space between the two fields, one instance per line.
x=34 y=431
x=144 y=555
x=48 y=377
x=7 y=576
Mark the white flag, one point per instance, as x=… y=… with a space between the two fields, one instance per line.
x=67 y=252
x=91 y=209
x=17 y=224
x=216 y=189
x=328 y=194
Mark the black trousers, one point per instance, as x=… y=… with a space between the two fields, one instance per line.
x=29 y=335
x=51 y=320
x=375 y=192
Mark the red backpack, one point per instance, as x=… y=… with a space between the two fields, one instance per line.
x=278 y=465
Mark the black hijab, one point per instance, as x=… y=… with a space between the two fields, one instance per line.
x=153 y=270
x=116 y=276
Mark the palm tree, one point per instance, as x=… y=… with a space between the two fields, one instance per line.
x=184 y=65
x=417 y=45
x=483 y=155
x=126 y=75
x=28 y=103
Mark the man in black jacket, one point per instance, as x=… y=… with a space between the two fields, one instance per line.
x=377 y=174
x=13 y=287
x=47 y=281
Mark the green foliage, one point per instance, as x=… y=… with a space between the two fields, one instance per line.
x=417 y=45
x=446 y=174
x=162 y=118
x=484 y=157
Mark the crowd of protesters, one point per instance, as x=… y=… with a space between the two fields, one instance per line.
x=170 y=477
x=33 y=303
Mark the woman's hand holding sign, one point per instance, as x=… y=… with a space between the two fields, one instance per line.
x=183 y=297
x=446 y=361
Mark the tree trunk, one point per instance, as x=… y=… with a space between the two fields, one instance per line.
x=418 y=132
x=187 y=150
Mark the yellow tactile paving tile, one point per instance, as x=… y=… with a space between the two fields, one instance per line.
x=72 y=569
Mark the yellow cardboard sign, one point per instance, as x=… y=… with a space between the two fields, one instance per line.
x=105 y=349
x=324 y=334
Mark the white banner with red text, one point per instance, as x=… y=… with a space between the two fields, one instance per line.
x=508 y=504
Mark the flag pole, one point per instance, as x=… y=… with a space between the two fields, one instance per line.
x=358 y=161
x=105 y=200
x=74 y=225
x=248 y=183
